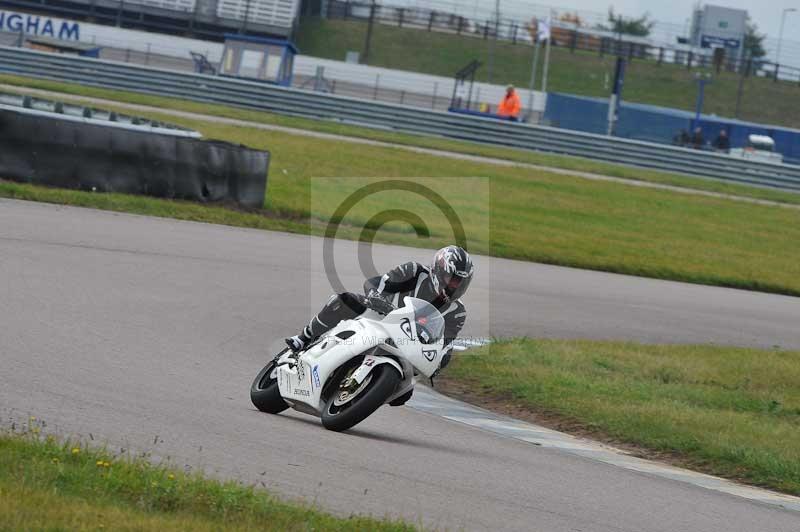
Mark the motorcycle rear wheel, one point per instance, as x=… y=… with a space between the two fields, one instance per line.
x=264 y=391
x=379 y=385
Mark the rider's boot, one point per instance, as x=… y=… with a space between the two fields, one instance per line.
x=296 y=343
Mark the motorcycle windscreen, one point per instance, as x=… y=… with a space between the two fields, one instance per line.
x=429 y=321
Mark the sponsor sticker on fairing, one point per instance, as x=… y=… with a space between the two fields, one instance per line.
x=315 y=376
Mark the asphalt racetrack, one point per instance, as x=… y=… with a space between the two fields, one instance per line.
x=146 y=334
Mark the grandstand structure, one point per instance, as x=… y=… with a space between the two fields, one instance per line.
x=205 y=19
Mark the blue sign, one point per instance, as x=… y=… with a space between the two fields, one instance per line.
x=706 y=41
x=39 y=26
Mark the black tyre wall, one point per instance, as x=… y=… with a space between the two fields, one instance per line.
x=68 y=154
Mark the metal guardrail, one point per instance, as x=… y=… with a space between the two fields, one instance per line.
x=88 y=115
x=263 y=97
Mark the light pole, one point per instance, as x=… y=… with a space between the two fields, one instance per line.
x=780 y=36
x=702 y=81
x=492 y=42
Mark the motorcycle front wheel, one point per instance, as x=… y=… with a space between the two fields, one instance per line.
x=264 y=391
x=349 y=406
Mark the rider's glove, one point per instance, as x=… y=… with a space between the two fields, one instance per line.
x=379 y=303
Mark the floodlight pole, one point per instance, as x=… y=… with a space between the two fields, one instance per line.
x=701 y=92
x=492 y=42
x=534 y=66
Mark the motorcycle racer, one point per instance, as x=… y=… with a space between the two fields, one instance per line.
x=442 y=284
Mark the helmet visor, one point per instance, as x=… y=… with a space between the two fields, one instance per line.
x=453 y=285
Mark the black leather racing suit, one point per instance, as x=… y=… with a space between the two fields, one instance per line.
x=409 y=279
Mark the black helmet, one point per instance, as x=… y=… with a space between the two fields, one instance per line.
x=451 y=272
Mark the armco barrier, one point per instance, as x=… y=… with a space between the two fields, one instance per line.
x=58 y=150
x=259 y=96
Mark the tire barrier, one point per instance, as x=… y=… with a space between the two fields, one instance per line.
x=83 y=153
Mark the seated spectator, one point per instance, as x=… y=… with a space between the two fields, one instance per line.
x=682 y=138
x=722 y=142
x=698 y=141
x=510 y=106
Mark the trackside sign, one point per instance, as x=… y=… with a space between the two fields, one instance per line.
x=39 y=26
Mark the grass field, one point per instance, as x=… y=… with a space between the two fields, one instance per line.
x=532 y=215
x=731 y=412
x=46 y=485
x=584 y=73
x=429 y=142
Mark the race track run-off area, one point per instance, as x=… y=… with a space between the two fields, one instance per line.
x=145 y=334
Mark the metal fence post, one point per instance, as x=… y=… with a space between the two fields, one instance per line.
x=319 y=78
x=740 y=89
x=119 y=13
x=368 y=39
x=401 y=17
x=435 y=93
x=431 y=19
x=377 y=82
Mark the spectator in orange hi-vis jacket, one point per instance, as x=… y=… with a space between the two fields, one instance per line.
x=510 y=106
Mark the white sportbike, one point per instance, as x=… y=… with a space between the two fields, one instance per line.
x=353 y=369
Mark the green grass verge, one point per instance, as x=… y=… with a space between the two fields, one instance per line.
x=584 y=73
x=45 y=485
x=732 y=412
x=522 y=213
x=436 y=143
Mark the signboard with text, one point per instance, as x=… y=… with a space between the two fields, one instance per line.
x=40 y=26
